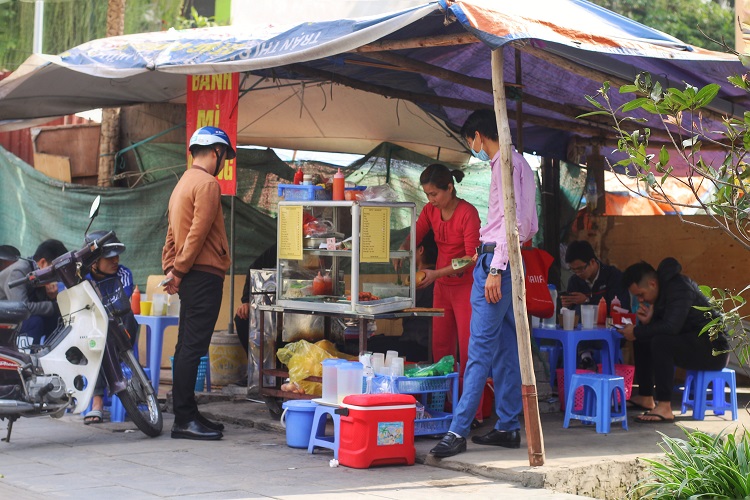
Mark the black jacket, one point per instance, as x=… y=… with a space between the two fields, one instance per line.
x=674 y=313
x=608 y=285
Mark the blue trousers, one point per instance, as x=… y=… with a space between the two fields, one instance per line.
x=493 y=351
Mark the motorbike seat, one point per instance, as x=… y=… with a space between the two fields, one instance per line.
x=13 y=312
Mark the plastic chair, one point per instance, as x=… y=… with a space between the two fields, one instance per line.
x=318 y=435
x=696 y=396
x=155 y=326
x=116 y=410
x=553 y=355
x=603 y=401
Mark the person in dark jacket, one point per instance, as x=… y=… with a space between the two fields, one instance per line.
x=266 y=260
x=592 y=279
x=667 y=334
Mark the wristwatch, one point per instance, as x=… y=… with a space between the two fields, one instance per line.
x=494 y=271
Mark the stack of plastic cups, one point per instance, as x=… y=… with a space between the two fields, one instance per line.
x=389 y=357
x=349 y=379
x=378 y=363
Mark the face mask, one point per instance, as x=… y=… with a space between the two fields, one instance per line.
x=481 y=155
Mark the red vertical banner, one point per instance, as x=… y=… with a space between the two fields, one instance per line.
x=212 y=102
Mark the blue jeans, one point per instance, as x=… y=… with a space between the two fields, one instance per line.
x=493 y=351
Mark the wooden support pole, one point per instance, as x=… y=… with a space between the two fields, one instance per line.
x=519 y=104
x=534 y=437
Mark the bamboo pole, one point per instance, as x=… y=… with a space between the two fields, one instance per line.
x=534 y=437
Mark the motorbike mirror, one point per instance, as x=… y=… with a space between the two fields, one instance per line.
x=9 y=253
x=93 y=212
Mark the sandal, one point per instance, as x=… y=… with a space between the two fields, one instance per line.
x=476 y=424
x=658 y=419
x=93 y=417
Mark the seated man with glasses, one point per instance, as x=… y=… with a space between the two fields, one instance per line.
x=592 y=279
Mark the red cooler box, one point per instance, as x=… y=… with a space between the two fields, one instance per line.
x=377 y=429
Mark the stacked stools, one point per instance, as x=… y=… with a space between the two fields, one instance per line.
x=603 y=401
x=695 y=395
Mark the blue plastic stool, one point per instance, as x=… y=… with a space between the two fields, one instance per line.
x=696 y=394
x=116 y=410
x=318 y=435
x=603 y=401
x=553 y=355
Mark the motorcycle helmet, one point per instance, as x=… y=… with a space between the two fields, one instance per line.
x=207 y=136
x=111 y=248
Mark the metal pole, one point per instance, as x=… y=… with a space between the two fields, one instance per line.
x=38 y=26
x=534 y=437
x=230 y=327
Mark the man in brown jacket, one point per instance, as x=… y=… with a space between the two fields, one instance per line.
x=196 y=259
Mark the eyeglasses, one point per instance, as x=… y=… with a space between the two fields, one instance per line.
x=579 y=270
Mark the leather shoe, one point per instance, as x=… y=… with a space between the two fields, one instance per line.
x=195 y=430
x=506 y=439
x=214 y=426
x=448 y=446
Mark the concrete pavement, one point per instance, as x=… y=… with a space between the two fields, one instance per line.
x=63 y=458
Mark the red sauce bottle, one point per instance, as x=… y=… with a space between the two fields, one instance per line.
x=601 y=312
x=299 y=176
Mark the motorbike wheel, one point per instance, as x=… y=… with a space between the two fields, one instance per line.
x=142 y=407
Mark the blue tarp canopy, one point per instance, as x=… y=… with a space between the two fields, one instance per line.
x=436 y=55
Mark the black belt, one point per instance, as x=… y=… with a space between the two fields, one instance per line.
x=486 y=248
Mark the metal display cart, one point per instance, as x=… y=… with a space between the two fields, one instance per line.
x=272 y=393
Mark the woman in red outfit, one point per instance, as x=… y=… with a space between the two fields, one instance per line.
x=455 y=223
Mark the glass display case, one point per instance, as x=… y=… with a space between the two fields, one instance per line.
x=346 y=256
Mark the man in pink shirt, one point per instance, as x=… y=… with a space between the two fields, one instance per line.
x=493 y=350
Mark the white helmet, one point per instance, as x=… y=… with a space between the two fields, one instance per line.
x=206 y=136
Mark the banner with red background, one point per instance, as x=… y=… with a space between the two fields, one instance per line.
x=212 y=102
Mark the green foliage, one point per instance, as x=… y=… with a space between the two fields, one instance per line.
x=195 y=21
x=701 y=466
x=680 y=18
x=73 y=22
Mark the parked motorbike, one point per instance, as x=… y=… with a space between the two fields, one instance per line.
x=61 y=373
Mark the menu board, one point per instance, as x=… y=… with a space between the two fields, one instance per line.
x=375 y=234
x=290 y=232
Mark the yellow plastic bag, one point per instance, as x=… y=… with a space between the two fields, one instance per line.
x=330 y=348
x=303 y=360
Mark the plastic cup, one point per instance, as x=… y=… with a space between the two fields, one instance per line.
x=535 y=322
x=569 y=319
x=588 y=316
x=173 y=307
x=146 y=307
x=159 y=304
x=389 y=357
x=397 y=367
x=378 y=362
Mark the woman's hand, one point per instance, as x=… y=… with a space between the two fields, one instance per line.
x=627 y=332
x=430 y=276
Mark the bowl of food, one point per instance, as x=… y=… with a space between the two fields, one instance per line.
x=295 y=289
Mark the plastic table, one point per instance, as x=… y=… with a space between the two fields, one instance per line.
x=155 y=326
x=569 y=340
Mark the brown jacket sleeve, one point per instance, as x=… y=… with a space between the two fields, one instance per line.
x=207 y=203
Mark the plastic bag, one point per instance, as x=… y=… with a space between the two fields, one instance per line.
x=330 y=348
x=303 y=360
x=303 y=327
x=379 y=193
x=442 y=367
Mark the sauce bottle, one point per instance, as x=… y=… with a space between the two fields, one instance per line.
x=615 y=303
x=338 y=186
x=135 y=301
x=328 y=284
x=298 y=176
x=319 y=285
x=601 y=312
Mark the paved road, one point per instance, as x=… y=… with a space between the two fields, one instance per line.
x=63 y=458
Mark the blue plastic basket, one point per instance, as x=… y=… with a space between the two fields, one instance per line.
x=200 y=381
x=302 y=192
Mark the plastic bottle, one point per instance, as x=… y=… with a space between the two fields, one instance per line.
x=615 y=303
x=551 y=322
x=299 y=176
x=135 y=301
x=338 y=186
x=601 y=312
x=307 y=179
